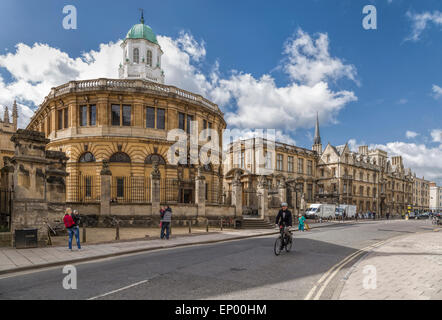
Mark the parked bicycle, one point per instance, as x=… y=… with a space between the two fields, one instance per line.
x=284 y=240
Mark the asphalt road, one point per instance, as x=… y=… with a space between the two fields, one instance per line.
x=243 y=269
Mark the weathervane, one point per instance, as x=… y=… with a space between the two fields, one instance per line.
x=142 y=15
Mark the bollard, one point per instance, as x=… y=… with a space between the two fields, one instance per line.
x=84 y=234
x=207 y=225
x=221 y=224
x=190 y=226
x=117 y=231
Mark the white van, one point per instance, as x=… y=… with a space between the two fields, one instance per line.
x=350 y=211
x=320 y=210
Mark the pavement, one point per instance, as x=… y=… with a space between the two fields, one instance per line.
x=404 y=268
x=15 y=260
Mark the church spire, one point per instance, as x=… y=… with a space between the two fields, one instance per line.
x=317 y=139
x=6 y=116
x=142 y=16
x=14 y=114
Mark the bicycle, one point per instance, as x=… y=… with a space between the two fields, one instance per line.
x=283 y=241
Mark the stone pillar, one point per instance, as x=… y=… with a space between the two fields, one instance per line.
x=263 y=198
x=30 y=209
x=200 y=193
x=237 y=196
x=105 y=196
x=282 y=191
x=155 y=190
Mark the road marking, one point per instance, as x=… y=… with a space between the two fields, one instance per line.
x=118 y=290
x=328 y=276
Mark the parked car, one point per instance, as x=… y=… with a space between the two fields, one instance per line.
x=425 y=215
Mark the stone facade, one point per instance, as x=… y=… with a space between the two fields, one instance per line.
x=421 y=194
x=37 y=178
x=435 y=197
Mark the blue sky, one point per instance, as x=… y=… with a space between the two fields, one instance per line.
x=391 y=78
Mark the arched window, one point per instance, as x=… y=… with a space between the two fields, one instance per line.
x=207 y=167
x=87 y=157
x=136 y=55
x=149 y=58
x=154 y=157
x=120 y=157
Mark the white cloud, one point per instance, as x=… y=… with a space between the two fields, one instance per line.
x=436 y=134
x=309 y=60
x=402 y=101
x=411 y=134
x=420 y=22
x=249 y=102
x=437 y=91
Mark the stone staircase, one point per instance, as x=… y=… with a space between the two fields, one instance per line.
x=256 y=224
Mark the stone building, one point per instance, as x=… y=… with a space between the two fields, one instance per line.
x=421 y=194
x=126 y=122
x=7 y=129
x=435 y=197
x=288 y=171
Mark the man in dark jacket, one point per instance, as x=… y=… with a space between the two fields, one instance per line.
x=284 y=216
x=166 y=220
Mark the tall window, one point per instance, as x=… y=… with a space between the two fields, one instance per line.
x=161 y=119
x=83 y=116
x=181 y=121
x=115 y=115
x=309 y=192
x=66 y=117
x=88 y=111
x=136 y=55
x=126 y=115
x=88 y=191
x=279 y=162
x=300 y=165
x=149 y=58
x=290 y=164
x=189 y=120
x=150 y=117
x=310 y=167
x=243 y=162
x=268 y=160
x=92 y=115
x=120 y=187
x=60 y=119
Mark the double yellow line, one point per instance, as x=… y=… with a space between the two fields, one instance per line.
x=323 y=282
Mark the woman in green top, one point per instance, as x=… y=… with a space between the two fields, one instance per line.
x=301 y=221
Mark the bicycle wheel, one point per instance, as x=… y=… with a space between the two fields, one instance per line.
x=277 y=247
x=289 y=244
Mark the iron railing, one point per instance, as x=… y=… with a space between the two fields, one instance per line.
x=83 y=189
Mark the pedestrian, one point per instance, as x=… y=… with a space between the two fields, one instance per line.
x=70 y=224
x=166 y=220
x=301 y=221
x=374 y=215
x=161 y=215
x=388 y=215
x=76 y=228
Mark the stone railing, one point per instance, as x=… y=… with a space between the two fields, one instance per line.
x=123 y=84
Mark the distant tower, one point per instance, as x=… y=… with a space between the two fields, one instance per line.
x=141 y=54
x=14 y=115
x=317 y=145
x=6 y=116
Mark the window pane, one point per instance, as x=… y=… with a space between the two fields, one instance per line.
x=66 y=117
x=126 y=115
x=161 y=119
x=88 y=187
x=181 y=121
x=150 y=117
x=120 y=187
x=136 y=55
x=60 y=119
x=189 y=120
x=115 y=115
x=93 y=115
x=83 y=116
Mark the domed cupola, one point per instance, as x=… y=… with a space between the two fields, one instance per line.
x=141 y=54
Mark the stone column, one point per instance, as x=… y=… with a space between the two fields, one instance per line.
x=237 y=195
x=155 y=198
x=200 y=193
x=282 y=191
x=263 y=196
x=105 y=197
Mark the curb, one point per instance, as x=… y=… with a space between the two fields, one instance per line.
x=122 y=253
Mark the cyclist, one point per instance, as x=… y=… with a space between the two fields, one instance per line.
x=284 y=220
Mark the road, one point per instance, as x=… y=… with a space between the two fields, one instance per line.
x=243 y=269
